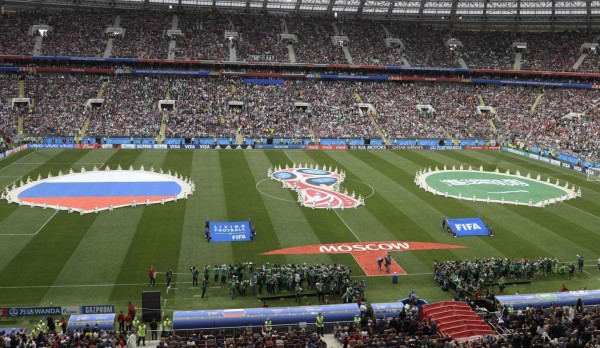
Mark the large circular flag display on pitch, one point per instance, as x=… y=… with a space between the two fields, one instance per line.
x=478 y=185
x=93 y=191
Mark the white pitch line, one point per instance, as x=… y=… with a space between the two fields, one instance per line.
x=17 y=161
x=549 y=166
x=60 y=163
x=31 y=234
x=288 y=156
x=583 y=211
x=355 y=236
x=71 y=286
x=45 y=223
x=268 y=195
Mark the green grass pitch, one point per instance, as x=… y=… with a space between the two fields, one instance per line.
x=68 y=259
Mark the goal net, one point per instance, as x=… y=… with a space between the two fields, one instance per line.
x=593 y=174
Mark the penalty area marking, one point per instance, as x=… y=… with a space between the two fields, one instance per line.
x=583 y=211
x=542 y=164
x=31 y=234
x=17 y=161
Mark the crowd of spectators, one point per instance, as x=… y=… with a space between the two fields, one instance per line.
x=555 y=326
x=550 y=126
x=315 y=44
x=81 y=35
x=203 y=36
x=144 y=35
x=398 y=114
x=553 y=119
x=201 y=109
x=425 y=45
x=591 y=63
x=366 y=42
x=14 y=38
x=249 y=337
x=259 y=38
x=130 y=107
x=9 y=88
x=58 y=103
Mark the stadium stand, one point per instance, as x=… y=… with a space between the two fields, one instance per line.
x=305 y=109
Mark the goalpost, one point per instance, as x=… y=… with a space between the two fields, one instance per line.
x=593 y=174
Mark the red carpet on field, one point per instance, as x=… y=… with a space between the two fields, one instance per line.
x=456 y=319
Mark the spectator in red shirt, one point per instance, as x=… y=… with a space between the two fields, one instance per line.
x=121 y=320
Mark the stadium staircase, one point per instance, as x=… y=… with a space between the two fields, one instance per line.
x=382 y=134
x=537 y=100
x=448 y=135
x=173 y=42
x=456 y=319
x=110 y=42
x=37 y=46
x=163 y=122
x=517 y=63
x=20 y=118
x=579 y=61
x=289 y=46
x=481 y=102
x=493 y=127
x=88 y=119
x=347 y=55
x=232 y=52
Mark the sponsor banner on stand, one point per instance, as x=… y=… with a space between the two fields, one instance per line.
x=70 y=310
x=16 y=149
x=327 y=147
x=30 y=311
x=191 y=146
x=445 y=147
x=232 y=147
x=87 y=146
x=51 y=146
x=367 y=147
x=279 y=147
x=128 y=146
x=546 y=159
x=109 y=146
x=97 y=309
x=484 y=147
x=406 y=147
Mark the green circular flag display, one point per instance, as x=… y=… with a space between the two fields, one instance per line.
x=474 y=185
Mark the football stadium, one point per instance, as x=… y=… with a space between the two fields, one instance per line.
x=298 y=174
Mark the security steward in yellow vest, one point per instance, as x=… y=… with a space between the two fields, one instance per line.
x=320 y=322
x=268 y=325
x=141 y=332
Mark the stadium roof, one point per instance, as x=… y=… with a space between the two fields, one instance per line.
x=492 y=11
